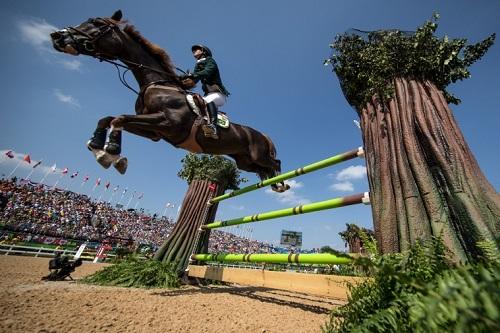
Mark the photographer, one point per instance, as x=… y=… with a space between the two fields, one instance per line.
x=61 y=268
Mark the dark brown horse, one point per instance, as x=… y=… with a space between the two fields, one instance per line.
x=162 y=111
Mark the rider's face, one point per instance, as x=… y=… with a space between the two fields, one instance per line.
x=197 y=53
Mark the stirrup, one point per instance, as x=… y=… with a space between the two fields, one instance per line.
x=210 y=131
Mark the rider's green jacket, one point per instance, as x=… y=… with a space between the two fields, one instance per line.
x=207 y=72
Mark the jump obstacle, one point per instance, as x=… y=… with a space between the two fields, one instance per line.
x=294 y=281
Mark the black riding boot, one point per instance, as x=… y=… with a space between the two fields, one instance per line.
x=114 y=145
x=211 y=129
x=98 y=139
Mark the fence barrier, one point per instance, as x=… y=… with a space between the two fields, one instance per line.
x=295 y=173
x=302 y=209
x=274 y=258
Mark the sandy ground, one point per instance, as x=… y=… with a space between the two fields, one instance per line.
x=28 y=304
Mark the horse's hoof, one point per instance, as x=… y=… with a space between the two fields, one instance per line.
x=121 y=165
x=105 y=159
x=280 y=188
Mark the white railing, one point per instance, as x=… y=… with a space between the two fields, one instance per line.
x=12 y=249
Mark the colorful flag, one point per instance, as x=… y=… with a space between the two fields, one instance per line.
x=27 y=158
x=74 y=175
x=107 y=185
x=37 y=164
x=212 y=187
x=98 y=182
x=85 y=179
x=10 y=154
x=64 y=171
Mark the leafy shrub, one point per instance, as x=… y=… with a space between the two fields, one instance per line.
x=419 y=291
x=136 y=273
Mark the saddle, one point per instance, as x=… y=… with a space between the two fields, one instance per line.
x=199 y=107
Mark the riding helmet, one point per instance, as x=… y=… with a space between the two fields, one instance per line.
x=205 y=49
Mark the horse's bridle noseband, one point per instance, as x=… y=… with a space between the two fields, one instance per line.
x=89 y=41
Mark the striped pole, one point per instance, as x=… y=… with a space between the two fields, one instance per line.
x=275 y=258
x=303 y=209
x=292 y=174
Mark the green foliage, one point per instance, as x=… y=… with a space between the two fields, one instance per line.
x=136 y=273
x=419 y=291
x=353 y=231
x=367 y=66
x=215 y=168
x=489 y=250
x=121 y=253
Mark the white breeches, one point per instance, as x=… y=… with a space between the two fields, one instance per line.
x=218 y=98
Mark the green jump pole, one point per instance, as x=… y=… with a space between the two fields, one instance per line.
x=303 y=209
x=306 y=258
x=292 y=174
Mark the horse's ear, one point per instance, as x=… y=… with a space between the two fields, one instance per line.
x=117 y=16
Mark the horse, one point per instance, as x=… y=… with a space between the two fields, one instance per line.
x=162 y=108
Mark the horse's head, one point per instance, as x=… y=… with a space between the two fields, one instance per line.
x=97 y=37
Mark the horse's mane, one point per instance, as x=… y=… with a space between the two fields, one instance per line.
x=157 y=52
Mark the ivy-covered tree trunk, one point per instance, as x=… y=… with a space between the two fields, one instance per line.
x=194 y=212
x=208 y=177
x=424 y=180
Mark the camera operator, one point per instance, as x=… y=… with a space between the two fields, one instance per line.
x=61 y=267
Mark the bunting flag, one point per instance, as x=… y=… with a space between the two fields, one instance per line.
x=74 y=175
x=9 y=154
x=125 y=190
x=130 y=200
x=116 y=188
x=107 y=185
x=97 y=183
x=27 y=158
x=53 y=169
x=84 y=180
x=167 y=205
x=33 y=169
x=63 y=173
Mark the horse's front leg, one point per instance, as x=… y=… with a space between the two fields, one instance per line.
x=98 y=140
x=114 y=145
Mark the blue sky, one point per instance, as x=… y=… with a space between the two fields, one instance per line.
x=270 y=54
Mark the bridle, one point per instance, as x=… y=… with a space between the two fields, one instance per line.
x=89 y=42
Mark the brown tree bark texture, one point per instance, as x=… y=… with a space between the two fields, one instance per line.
x=179 y=245
x=424 y=179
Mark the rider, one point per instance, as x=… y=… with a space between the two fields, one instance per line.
x=207 y=72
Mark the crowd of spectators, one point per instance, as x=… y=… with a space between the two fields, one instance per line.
x=38 y=211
